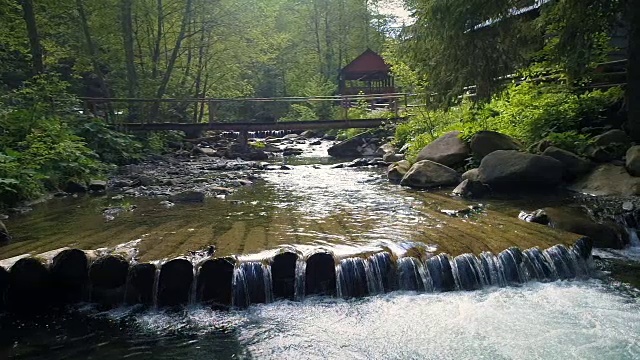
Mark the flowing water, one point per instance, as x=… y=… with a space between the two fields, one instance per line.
x=393 y=296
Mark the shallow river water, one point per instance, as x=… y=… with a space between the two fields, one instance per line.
x=342 y=210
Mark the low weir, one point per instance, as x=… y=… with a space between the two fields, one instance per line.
x=73 y=276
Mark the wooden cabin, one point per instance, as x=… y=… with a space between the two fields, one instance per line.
x=367 y=74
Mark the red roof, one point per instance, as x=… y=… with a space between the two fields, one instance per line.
x=368 y=62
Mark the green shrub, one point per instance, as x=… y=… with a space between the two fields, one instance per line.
x=528 y=112
x=570 y=141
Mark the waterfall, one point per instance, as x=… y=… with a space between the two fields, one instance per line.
x=380 y=273
x=351 y=278
x=439 y=267
x=194 y=286
x=299 y=283
x=412 y=275
x=511 y=260
x=252 y=284
x=634 y=241
x=492 y=268
x=467 y=272
x=156 y=283
x=538 y=265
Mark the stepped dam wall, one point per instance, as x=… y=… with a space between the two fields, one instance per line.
x=34 y=284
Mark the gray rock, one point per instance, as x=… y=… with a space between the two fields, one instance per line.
x=291 y=136
x=308 y=134
x=392 y=157
x=396 y=171
x=97 y=185
x=429 y=174
x=510 y=169
x=350 y=148
x=4 y=234
x=289 y=151
x=448 y=150
x=316 y=143
x=574 y=165
x=485 y=142
x=608 y=179
x=469 y=188
x=205 y=151
x=471 y=175
x=74 y=187
x=632 y=162
x=187 y=197
x=611 y=137
x=144 y=180
x=385 y=149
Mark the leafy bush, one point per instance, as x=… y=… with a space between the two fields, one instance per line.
x=111 y=146
x=570 y=141
x=299 y=112
x=528 y=112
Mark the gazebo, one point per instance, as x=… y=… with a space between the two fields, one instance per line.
x=367 y=74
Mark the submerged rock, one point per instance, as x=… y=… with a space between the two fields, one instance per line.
x=510 y=169
x=396 y=171
x=448 y=150
x=187 y=196
x=428 y=174
x=485 y=142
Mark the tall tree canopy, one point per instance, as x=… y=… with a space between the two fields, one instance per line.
x=192 y=48
x=457 y=43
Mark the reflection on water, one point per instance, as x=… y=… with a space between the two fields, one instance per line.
x=579 y=320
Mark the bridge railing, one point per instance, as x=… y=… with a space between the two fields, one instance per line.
x=121 y=111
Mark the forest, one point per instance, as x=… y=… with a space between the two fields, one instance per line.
x=472 y=65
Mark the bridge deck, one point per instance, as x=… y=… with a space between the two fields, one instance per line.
x=246 y=126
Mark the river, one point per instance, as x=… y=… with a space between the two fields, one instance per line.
x=345 y=211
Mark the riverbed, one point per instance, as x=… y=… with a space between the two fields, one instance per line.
x=315 y=205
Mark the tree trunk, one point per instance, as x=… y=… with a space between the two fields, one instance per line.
x=93 y=54
x=127 y=35
x=633 y=72
x=155 y=55
x=162 y=88
x=34 y=39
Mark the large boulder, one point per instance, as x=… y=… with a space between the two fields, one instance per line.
x=428 y=174
x=357 y=146
x=608 y=179
x=612 y=137
x=396 y=171
x=574 y=165
x=633 y=160
x=448 y=150
x=4 y=234
x=609 y=146
x=485 y=142
x=516 y=170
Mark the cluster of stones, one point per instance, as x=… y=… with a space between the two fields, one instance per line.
x=505 y=167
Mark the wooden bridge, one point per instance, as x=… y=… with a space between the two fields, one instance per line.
x=193 y=116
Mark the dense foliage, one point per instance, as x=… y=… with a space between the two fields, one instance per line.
x=529 y=112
